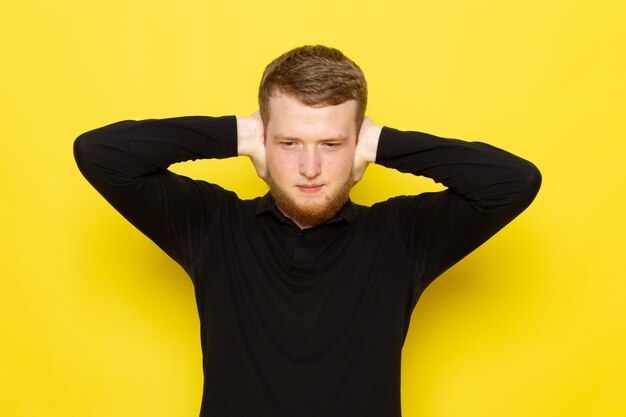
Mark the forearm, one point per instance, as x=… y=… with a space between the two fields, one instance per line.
x=124 y=151
x=486 y=188
x=126 y=162
x=489 y=177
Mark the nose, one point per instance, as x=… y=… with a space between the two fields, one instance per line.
x=310 y=163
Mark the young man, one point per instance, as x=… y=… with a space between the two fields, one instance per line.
x=304 y=297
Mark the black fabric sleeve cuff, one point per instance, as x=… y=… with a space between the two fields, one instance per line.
x=229 y=136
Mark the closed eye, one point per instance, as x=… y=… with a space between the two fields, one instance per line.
x=331 y=144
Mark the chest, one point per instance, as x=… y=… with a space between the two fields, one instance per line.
x=312 y=272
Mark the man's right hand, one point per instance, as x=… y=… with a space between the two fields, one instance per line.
x=251 y=141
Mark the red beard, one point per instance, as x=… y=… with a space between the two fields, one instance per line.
x=311 y=213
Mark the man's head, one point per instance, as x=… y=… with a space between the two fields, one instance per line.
x=317 y=76
x=312 y=101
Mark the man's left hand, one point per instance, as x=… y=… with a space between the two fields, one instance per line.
x=366 y=146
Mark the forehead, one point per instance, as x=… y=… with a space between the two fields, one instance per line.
x=290 y=117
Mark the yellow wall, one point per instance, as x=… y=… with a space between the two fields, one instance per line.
x=96 y=321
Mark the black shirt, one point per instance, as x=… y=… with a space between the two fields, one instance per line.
x=303 y=322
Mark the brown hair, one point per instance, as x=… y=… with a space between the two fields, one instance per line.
x=317 y=75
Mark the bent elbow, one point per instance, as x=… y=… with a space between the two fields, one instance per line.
x=83 y=148
x=530 y=183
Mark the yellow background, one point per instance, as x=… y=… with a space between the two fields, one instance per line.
x=96 y=321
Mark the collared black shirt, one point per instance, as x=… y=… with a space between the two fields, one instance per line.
x=303 y=322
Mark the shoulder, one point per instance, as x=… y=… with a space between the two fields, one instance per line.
x=387 y=212
x=216 y=189
x=405 y=212
x=230 y=202
x=396 y=204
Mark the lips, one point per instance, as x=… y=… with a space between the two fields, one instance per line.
x=310 y=188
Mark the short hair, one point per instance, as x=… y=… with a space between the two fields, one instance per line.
x=318 y=76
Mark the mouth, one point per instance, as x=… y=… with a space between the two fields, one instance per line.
x=310 y=188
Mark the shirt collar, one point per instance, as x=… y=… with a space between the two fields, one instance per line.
x=267 y=204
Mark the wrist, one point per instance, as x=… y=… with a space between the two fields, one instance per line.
x=246 y=135
x=370 y=139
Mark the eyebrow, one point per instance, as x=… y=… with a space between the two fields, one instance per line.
x=285 y=137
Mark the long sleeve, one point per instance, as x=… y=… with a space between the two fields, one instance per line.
x=486 y=188
x=127 y=161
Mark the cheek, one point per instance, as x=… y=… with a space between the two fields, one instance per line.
x=341 y=164
x=279 y=164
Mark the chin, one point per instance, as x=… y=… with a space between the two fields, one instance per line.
x=308 y=210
